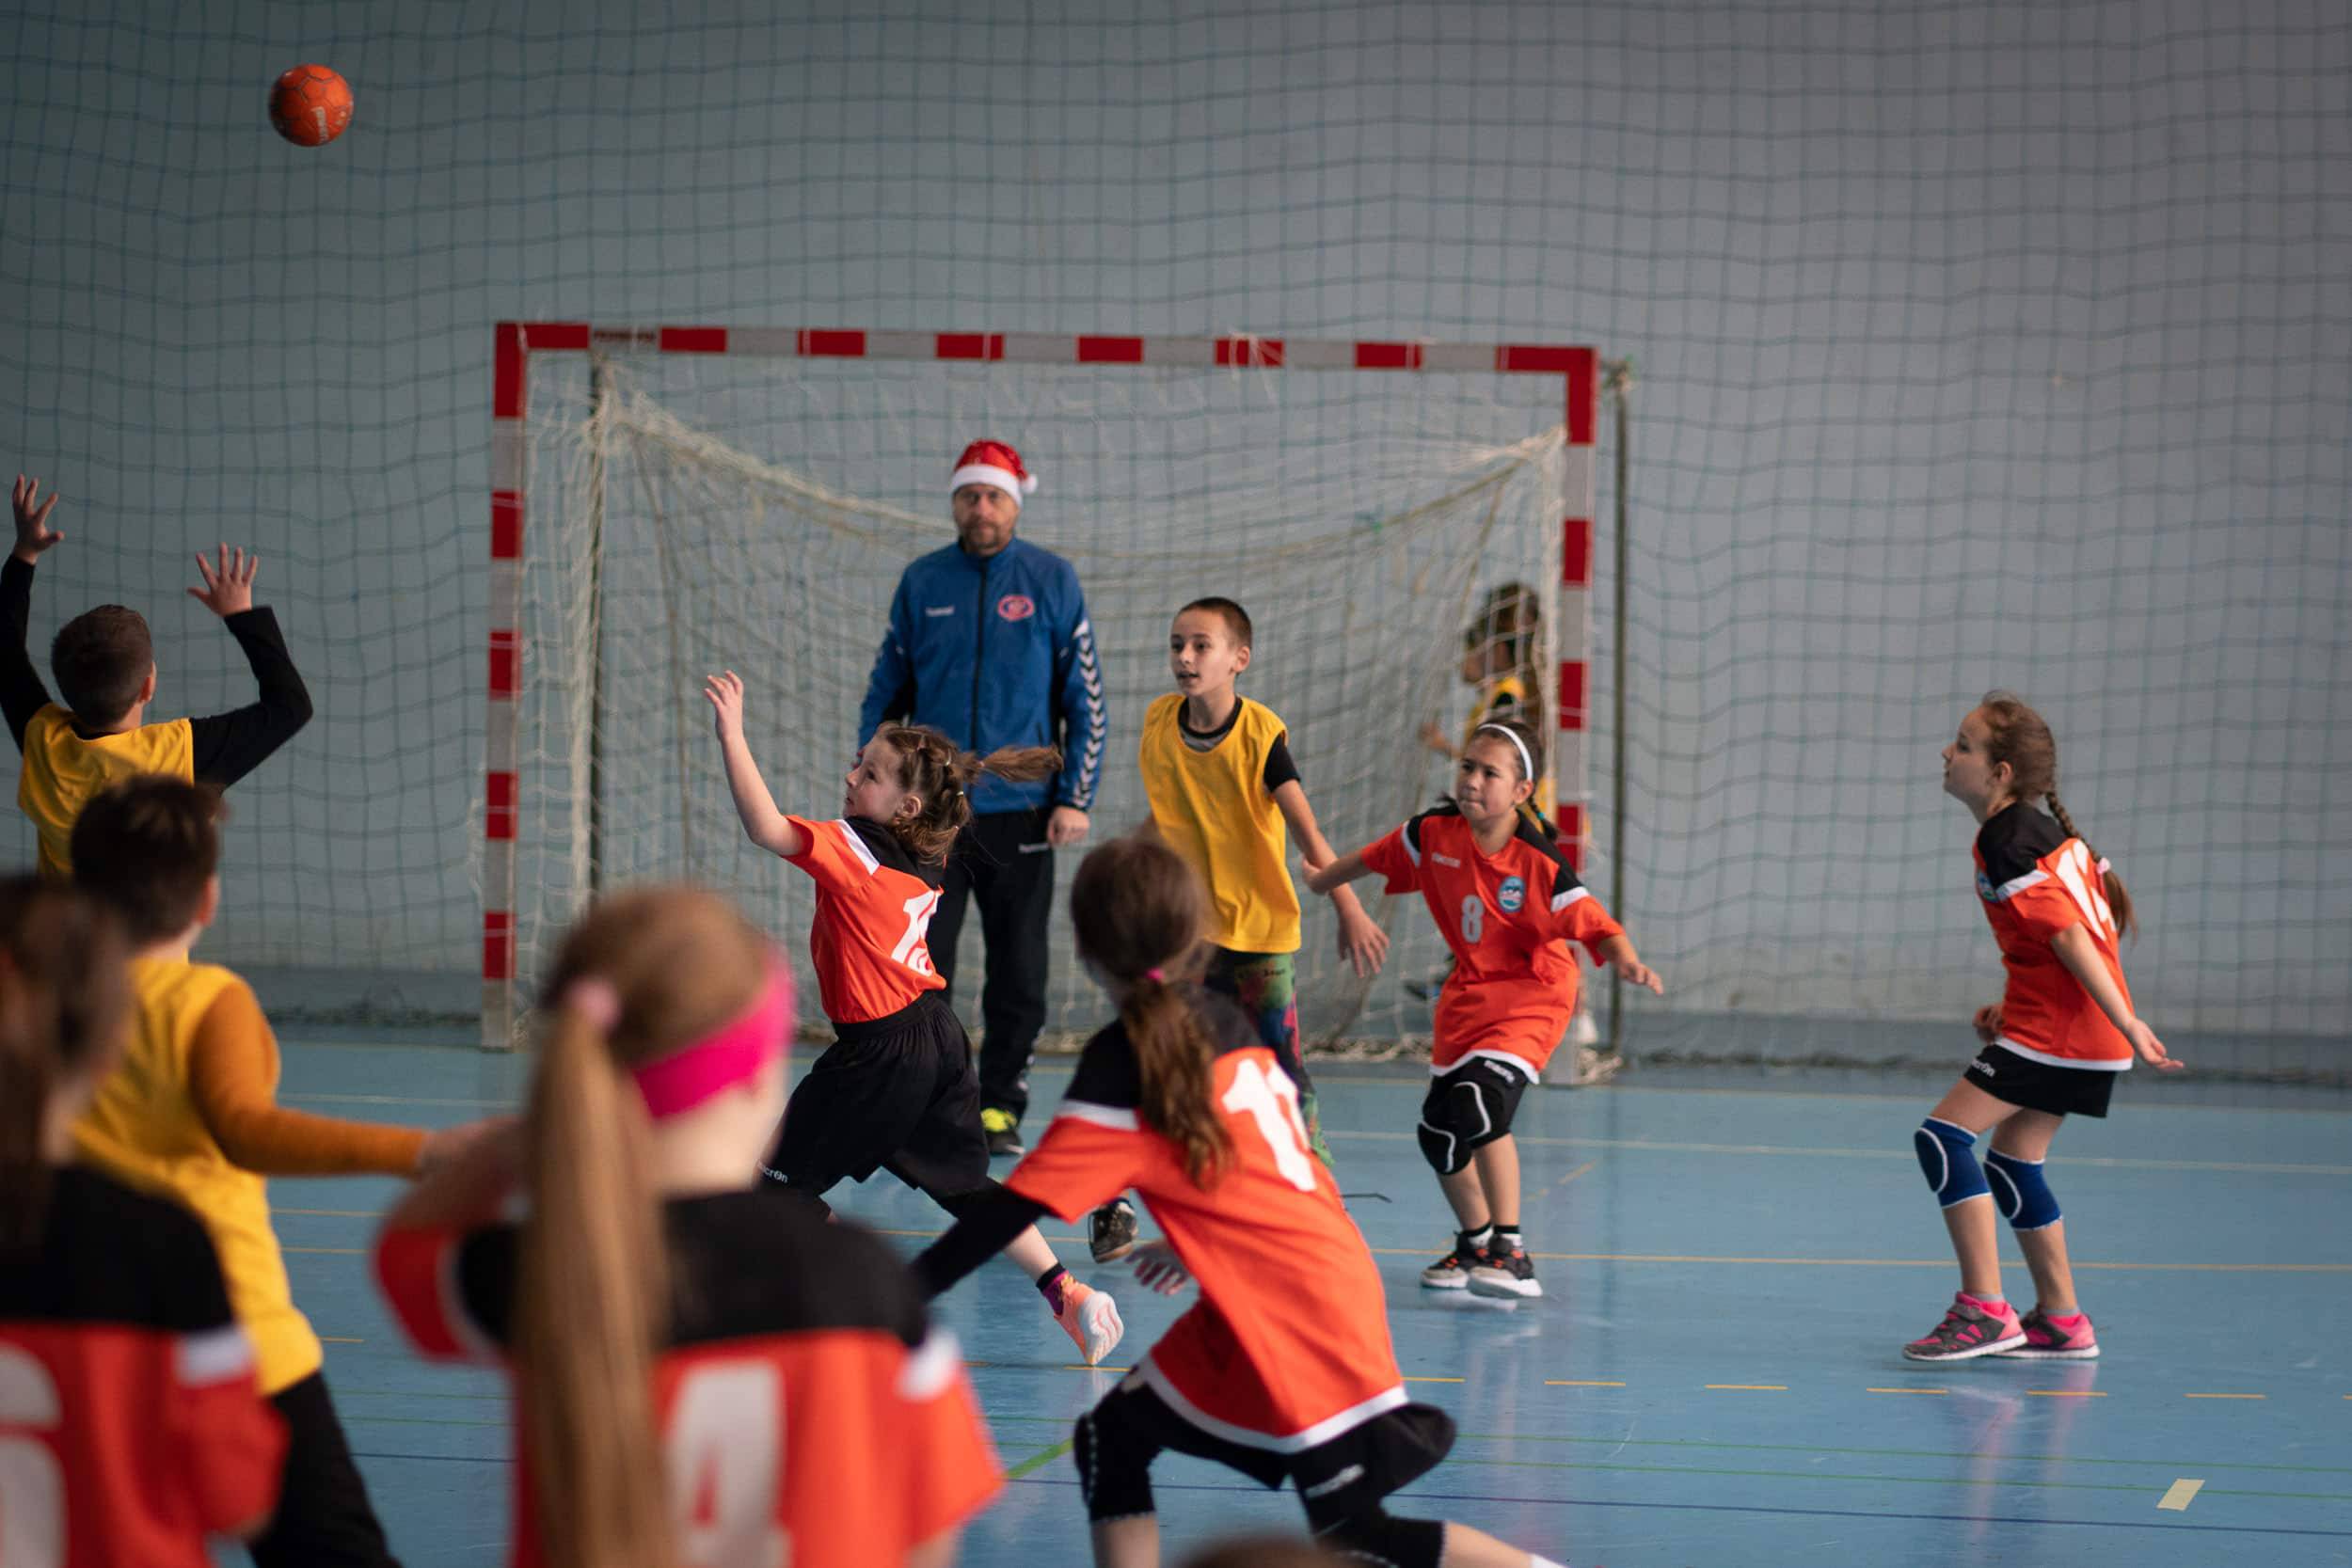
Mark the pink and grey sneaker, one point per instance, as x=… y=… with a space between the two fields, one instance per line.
x=2049 y=1339
x=1968 y=1331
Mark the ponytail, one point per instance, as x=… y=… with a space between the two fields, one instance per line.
x=28 y=1075
x=1139 y=911
x=940 y=777
x=593 y=1307
x=1172 y=1056
x=2119 y=899
x=63 y=1001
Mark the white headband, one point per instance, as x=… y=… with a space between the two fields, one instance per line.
x=1527 y=761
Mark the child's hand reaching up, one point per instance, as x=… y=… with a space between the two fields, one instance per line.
x=725 y=693
x=228 y=589
x=33 y=534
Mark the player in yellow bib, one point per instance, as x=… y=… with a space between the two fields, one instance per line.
x=105 y=662
x=1226 y=795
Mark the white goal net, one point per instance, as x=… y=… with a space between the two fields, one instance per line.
x=689 y=512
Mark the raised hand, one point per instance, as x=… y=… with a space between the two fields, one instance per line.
x=229 y=587
x=33 y=534
x=725 y=695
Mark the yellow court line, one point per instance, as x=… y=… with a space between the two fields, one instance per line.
x=1574 y=1174
x=2066 y=1393
x=1580 y=1383
x=1906 y=1390
x=332 y=1340
x=2176 y=1497
x=1753 y=1387
x=1803 y=1263
x=1433 y=1380
x=2226 y=1395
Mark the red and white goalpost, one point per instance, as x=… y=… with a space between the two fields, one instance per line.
x=1368 y=662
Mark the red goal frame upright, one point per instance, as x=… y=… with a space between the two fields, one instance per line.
x=515 y=342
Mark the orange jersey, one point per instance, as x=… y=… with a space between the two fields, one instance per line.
x=1289 y=1345
x=130 y=1422
x=1509 y=918
x=808 y=1415
x=874 y=905
x=2035 y=882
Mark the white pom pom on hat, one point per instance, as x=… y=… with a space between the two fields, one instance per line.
x=993 y=463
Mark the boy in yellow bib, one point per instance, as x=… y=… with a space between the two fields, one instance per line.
x=1226 y=795
x=191 y=1112
x=104 y=662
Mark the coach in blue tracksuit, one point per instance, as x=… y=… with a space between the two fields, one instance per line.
x=989 y=644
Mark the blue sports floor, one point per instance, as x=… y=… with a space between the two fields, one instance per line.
x=1713 y=1378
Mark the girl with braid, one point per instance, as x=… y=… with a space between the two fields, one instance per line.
x=897 y=1090
x=2053 y=1045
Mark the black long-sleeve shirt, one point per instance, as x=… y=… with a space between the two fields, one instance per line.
x=226 y=746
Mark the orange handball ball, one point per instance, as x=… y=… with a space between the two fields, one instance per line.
x=310 y=105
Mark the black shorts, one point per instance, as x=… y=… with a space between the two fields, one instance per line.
x=2062 y=1091
x=1338 y=1479
x=895 y=1094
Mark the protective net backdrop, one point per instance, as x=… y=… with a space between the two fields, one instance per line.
x=1978 y=345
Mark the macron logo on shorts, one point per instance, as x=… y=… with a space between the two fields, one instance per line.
x=1981 y=1065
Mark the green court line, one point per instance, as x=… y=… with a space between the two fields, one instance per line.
x=1037 y=1459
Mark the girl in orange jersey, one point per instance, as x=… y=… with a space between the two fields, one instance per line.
x=1284 y=1370
x=709 y=1374
x=1508 y=907
x=2053 y=1045
x=130 y=1426
x=897 y=1090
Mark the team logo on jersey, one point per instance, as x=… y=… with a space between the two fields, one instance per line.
x=1984 y=887
x=1015 y=607
x=1511 y=894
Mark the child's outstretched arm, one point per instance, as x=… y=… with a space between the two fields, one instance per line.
x=1363 y=943
x=2079 y=953
x=1335 y=875
x=1618 y=950
x=228 y=746
x=22 y=693
x=767 y=827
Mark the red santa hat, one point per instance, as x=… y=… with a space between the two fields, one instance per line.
x=993 y=463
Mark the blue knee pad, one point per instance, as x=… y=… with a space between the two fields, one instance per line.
x=1948 y=1156
x=2018 y=1188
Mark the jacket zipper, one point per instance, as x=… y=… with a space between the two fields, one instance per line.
x=979 y=648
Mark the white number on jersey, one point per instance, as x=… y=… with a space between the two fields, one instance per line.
x=2088 y=891
x=725 y=1449
x=1271 y=1100
x=1473 y=919
x=32 y=1486
x=911 y=951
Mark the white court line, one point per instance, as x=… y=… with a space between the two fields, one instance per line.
x=2177 y=1496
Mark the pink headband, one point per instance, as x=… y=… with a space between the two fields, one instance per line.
x=737 y=1051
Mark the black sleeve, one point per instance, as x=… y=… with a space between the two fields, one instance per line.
x=985 y=1227
x=1279 y=768
x=488 y=1261
x=22 y=694
x=230 y=745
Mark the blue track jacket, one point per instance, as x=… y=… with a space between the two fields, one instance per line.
x=995 y=653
